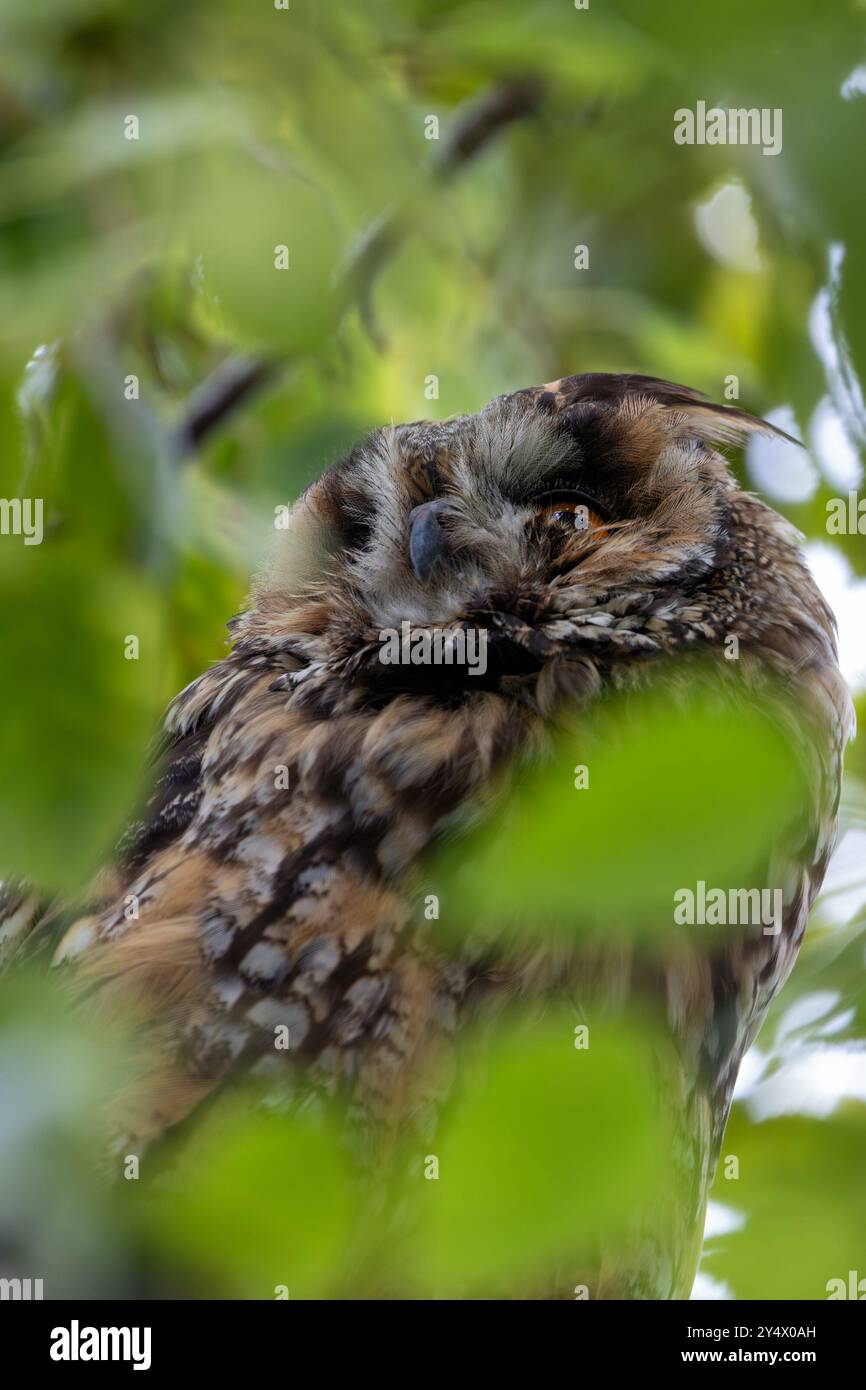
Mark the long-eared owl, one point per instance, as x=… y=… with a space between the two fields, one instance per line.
x=594 y=535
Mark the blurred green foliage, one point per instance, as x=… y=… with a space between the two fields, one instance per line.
x=541 y=1117
x=153 y=257
x=260 y=1202
x=690 y=794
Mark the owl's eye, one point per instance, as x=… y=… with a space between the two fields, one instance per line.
x=570 y=510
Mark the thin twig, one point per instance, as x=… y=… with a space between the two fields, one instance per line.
x=480 y=122
x=233 y=381
x=473 y=129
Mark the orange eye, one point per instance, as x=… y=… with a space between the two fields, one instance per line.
x=573 y=515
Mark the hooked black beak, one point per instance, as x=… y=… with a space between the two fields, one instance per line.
x=427 y=540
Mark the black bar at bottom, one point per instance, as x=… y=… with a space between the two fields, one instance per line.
x=257 y=1339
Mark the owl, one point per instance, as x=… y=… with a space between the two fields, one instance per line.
x=592 y=534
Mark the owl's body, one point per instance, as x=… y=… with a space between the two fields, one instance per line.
x=275 y=875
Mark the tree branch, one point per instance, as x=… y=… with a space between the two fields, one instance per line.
x=231 y=383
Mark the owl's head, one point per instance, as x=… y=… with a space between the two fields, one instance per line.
x=581 y=527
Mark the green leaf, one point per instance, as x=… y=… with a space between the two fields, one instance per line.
x=674 y=796
x=270 y=248
x=549 y=1149
x=800 y=1188
x=264 y=1201
x=75 y=714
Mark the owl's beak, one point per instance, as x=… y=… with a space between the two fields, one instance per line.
x=427 y=540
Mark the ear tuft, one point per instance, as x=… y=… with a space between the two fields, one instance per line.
x=725 y=424
x=695 y=415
